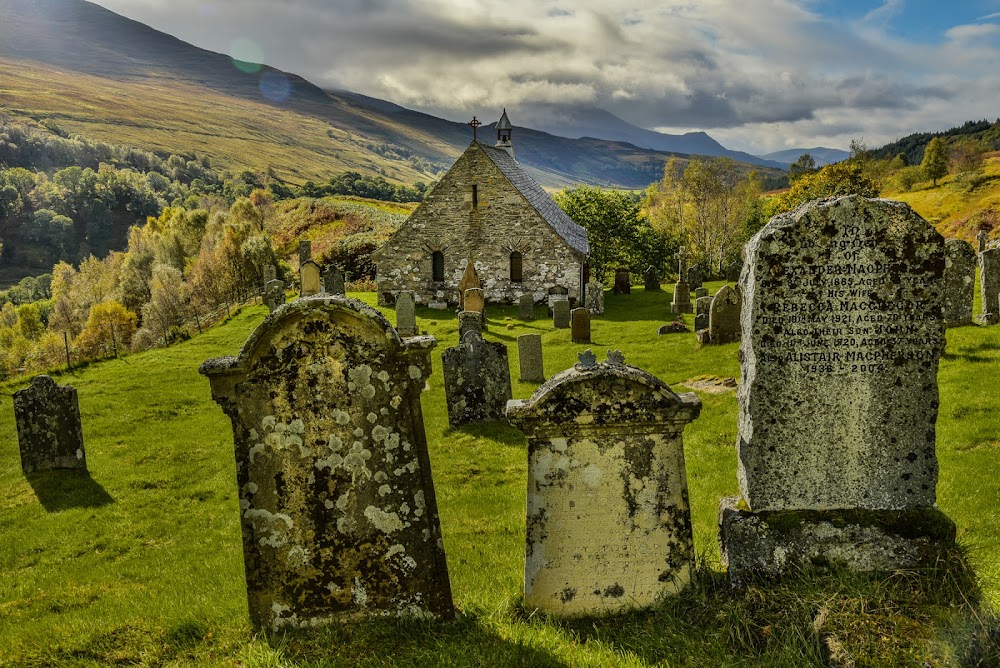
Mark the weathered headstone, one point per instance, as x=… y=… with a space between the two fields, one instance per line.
x=580 y=332
x=595 y=298
x=475 y=300
x=724 y=316
x=529 y=357
x=701 y=323
x=470 y=320
x=681 y=302
x=305 y=251
x=406 y=315
x=695 y=276
x=981 y=238
x=274 y=295
x=476 y=380
x=959 y=282
x=526 y=307
x=842 y=331
x=270 y=273
x=560 y=314
x=333 y=280
x=623 y=285
x=703 y=305
x=469 y=280
x=989 y=285
x=652 y=278
x=337 y=504
x=309 y=279
x=700 y=292
x=608 y=522
x=49 y=431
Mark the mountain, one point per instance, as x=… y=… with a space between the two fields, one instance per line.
x=93 y=72
x=822 y=156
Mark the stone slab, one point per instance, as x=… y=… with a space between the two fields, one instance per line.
x=476 y=380
x=49 y=430
x=959 y=282
x=406 y=315
x=724 y=316
x=529 y=354
x=651 y=278
x=989 y=286
x=526 y=307
x=309 y=279
x=595 y=298
x=623 y=285
x=580 y=331
x=561 y=314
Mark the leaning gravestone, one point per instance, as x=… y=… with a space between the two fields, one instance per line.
x=526 y=307
x=476 y=380
x=305 y=251
x=595 y=298
x=959 y=282
x=623 y=285
x=49 y=433
x=580 y=332
x=560 y=314
x=724 y=316
x=842 y=331
x=274 y=294
x=334 y=281
x=337 y=504
x=406 y=316
x=989 y=285
x=309 y=279
x=651 y=278
x=608 y=522
x=529 y=357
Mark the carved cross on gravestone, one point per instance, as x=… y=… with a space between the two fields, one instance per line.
x=681 y=256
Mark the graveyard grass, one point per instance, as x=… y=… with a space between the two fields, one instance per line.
x=140 y=562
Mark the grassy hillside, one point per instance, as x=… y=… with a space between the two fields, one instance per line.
x=140 y=563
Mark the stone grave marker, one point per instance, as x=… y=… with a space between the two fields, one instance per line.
x=309 y=279
x=701 y=322
x=475 y=300
x=959 y=282
x=989 y=285
x=270 y=273
x=608 y=522
x=703 y=305
x=981 y=238
x=49 y=430
x=529 y=357
x=682 y=292
x=406 y=316
x=560 y=314
x=469 y=280
x=595 y=298
x=305 y=251
x=337 y=505
x=700 y=292
x=652 y=278
x=842 y=331
x=724 y=316
x=334 y=281
x=526 y=307
x=623 y=285
x=695 y=276
x=580 y=325
x=470 y=320
x=476 y=380
x=274 y=294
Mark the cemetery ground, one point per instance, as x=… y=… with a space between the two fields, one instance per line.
x=140 y=562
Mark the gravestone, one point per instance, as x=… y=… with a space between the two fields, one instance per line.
x=334 y=281
x=557 y=293
x=652 y=278
x=274 y=294
x=595 y=298
x=608 y=522
x=989 y=285
x=470 y=320
x=959 y=282
x=529 y=357
x=526 y=307
x=406 y=316
x=476 y=380
x=337 y=504
x=49 y=432
x=475 y=300
x=981 y=238
x=700 y=292
x=580 y=332
x=724 y=316
x=270 y=273
x=309 y=279
x=695 y=277
x=682 y=292
x=842 y=331
x=469 y=280
x=623 y=284
x=701 y=325
x=703 y=305
x=305 y=251
x=560 y=314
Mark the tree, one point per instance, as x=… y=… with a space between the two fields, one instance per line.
x=106 y=319
x=804 y=165
x=840 y=178
x=29 y=322
x=966 y=155
x=935 y=162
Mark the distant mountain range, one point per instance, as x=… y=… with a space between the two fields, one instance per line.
x=822 y=156
x=100 y=74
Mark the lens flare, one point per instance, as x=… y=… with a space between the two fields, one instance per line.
x=246 y=55
x=275 y=86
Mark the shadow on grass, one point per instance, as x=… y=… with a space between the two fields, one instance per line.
x=63 y=489
x=498 y=432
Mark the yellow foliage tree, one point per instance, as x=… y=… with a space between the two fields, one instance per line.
x=106 y=319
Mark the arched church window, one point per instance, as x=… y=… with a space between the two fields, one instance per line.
x=515 y=267
x=437 y=267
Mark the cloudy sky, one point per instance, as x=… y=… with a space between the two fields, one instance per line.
x=758 y=75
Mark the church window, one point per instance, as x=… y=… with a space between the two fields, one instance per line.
x=515 y=267
x=475 y=196
x=437 y=267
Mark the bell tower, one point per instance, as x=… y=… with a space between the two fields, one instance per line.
x=504 y=129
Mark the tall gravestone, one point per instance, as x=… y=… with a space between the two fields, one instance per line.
x=529 y=357
x=695 y=276
x=49 y=431
x=595 y=297
x=334 y=281
x=309 y=279
x=274 y=294
x=959 y=282
x=580 y=330
x=560 y=314
x=475 y=300
x=608 y=522
x=305 y=251
x=700 y=292
x=526 y=307
x=651 y=278
x=623 y=282
x=702 y=306
x=682 y=291
x=842 y=331
x=469 y=280
x=406 y=314
x=337 y=504
x=724 y=316
x=476 y=380
x=982 y=236
x=989 y=285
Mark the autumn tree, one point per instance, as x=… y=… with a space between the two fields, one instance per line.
x=106 y=320
x=935 y=162
x=806 y=164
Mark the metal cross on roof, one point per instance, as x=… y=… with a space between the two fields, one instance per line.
x=474 y=124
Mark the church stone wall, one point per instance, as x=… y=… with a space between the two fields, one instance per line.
x=502 y=222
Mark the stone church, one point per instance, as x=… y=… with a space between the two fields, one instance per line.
x=489 y=209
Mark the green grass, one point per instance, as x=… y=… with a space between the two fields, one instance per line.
x=140 y=562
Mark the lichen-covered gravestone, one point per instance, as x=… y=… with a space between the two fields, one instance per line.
x=595 y=297
x=681 y=302
x=476 y=380
x=49 y=432
x=475 y=300
x=724 y=316
x=623 y=282
x=989 y=285
x=333 y=281
x=526 y=307
x=560 y=314
x=270 y=273
x=406 y=317
x=982 y=236
x=608 y=521
x=274 y=294
x=959 y=282
x=529 y=356
x=469 y=321
x=469 y=280
x=580 y=332
x=842 y=331
x=695 y=276
x=305 y=251
x=651 y=278
x=337 y=504
x=703 y=306
x=309 y=279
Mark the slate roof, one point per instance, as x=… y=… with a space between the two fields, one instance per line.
x=504 y=122
x=571 y=233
